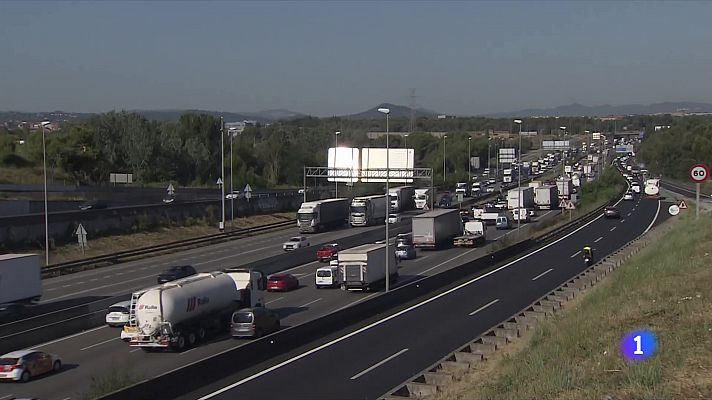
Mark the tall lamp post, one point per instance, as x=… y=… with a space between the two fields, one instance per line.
x=519 y=177
x=231 y=132
x=489 y=157
x=563 y=170
x=407 y=156
x=222 y=171
x=44 y=169
x=444 y=166
x=336 y=146
x=469 y=164
x=387 y=111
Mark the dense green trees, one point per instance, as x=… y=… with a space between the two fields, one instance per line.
x=672 y=151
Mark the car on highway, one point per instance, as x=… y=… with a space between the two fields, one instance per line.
x=489 y=189
x=22 y=365
x=92 y=205
x=295 y=242
x=175 y=272
x=282 y=283
x=503 y=222
x=234 y=195
x=611 y=212
x=253 y=322
x=405 y=251
x=328 y=252
x=404 y=238
x=628 y=196
x=445 y=201
x=394 y=218
x=118 y=314
x=635 y=187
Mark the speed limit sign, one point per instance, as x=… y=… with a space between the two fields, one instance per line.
x=699 y=173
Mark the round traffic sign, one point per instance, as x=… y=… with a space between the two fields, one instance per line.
x=674 y=210
x=699 y=173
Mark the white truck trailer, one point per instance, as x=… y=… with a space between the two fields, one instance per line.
x=564 y=187
x=436 y=227
x=402 y=198
x=20 y=278
x=320 y=215
x=183 y=312
x=364 y=267
x=368 y=210
x=520 y=198
x=546 y=197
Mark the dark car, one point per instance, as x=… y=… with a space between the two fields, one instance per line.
x=253 y=322
x=176 y=272
x=611 y=212
x=92 y=205
x=282 y=282
x=445 y=201
x=404 y=239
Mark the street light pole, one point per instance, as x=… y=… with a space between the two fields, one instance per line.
x=469 y=164
x=44 y=169
x=519 y=177
x=489 y=157
x=232 y=192
x=387 y=111
x=222 y=171
x=563 y=168
x=444 y=165
x=336 y=146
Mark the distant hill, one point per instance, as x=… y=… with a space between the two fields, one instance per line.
x=576 y=110
x=54 y=116
x=396 y=112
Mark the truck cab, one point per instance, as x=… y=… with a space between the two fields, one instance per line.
x=520 y=214
x=461 y=187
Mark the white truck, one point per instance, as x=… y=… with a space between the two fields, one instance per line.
x=422 y=198
x=563 y=185
x=183 y=312
x=546 y=197
x=520 y=198
x=328 y=276
x=436 y=227
x=320 y=215
x=520 y=214
x=507 y=175
x=364 y=267
x=473 y=235
x=461 y=188
x=652 y=187
x=368 y=210
x=488 y=217
x=20 y=278
x=402 y=198
x=476 y=189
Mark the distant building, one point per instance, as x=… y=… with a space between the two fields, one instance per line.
x=661 y=127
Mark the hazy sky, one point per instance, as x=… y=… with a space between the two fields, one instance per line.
x=335 y=57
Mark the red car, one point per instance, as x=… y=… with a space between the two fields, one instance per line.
x=328 y=252
x=282 y=283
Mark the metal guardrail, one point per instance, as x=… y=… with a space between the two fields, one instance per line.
x=114 y=258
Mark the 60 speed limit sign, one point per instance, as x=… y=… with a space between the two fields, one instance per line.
x=699 y=173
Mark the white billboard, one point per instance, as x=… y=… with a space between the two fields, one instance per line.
x=346 y=159
x=507 y=155
x=596 y=135
x=475 y=162
x=398 y=159
x=555 y=144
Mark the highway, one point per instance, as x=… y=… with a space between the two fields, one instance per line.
x=96 y=352
x=366 y=362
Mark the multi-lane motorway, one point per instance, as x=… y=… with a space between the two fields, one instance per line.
x=368 y=361
x=96 y=352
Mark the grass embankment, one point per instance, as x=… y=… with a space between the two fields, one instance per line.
x=113 y=244
x=575 y=355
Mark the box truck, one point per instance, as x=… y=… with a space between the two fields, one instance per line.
x=564 y=187
x=368 y=210
x=436 y=227
x=402 y=198
x=320 y=215
x=546 y=197
x=473 y=235
x=520 y=198
x=364 y=267
x=422 y=198
x=20 y=278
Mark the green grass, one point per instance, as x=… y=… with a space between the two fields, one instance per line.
x=665 y=288
x=117 y=378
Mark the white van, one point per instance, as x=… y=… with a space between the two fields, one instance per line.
x=328 y=276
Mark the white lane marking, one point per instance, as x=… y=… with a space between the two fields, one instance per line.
x=66 y=286
x=654 y=218
x=598 y=240
x=575 y=254
x=135 y=350
x=188 y=351
x=483 y=307
x=305 y=275
x=421 y=258
x=272 y=301
x=447 y=261
x=118 y=273
x=47 y=290
x=80 y=283
x=96 y=288
x=302 y=266
x=542 y=274
x=240 y=254
x=98 y=344
x=380 y=321
x=67 y=337
x=378 y=364
x=354 y=302
x=622 y=221
x=94 y=279
x=9 y=396
x=311 y=302
x=628 y=215
x=612 y=229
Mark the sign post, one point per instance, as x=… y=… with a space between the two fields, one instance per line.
x=81 y=237
x=698 y=174
x=248 y=192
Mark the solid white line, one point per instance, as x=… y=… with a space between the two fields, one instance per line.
x=612 y=229
x=381 y=321
x=9 y=396
x=354 y=302
x=232 y=255
x=483 y=307
x=622 y=221
x=654 y=218
x=374 y=366
x=421 y=258
x=311 y=302
x=542 y=274
x=67 y=337
x=134 y=350
x=99 y=344
x=302 y=266
x=272 y=301
x=628 y=215
x=447 y=261
x=598 y=240
x=305 y=275
x=575 y=254
x=96 y=288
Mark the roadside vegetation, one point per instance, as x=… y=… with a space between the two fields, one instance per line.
x=117 y=378
x=671 y=152
x=576 y=355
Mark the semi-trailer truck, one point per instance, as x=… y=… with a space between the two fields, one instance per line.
x=422 y=198
x=564 y=187
x=402 y=198
x=520 y=198
x=368 y=210
x=434 y=228
x=320 y=215
x=183 y=312
x=364 y=267
x=546 y=197
x=20 y=278
x=473 y=235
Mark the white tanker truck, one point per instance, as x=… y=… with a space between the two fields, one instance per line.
x=183 y=312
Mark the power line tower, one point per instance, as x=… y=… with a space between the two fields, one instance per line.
x=413 y=105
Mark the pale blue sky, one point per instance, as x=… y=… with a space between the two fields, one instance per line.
x=327 y=58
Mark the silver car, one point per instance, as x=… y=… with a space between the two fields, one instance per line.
x=253 y=322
